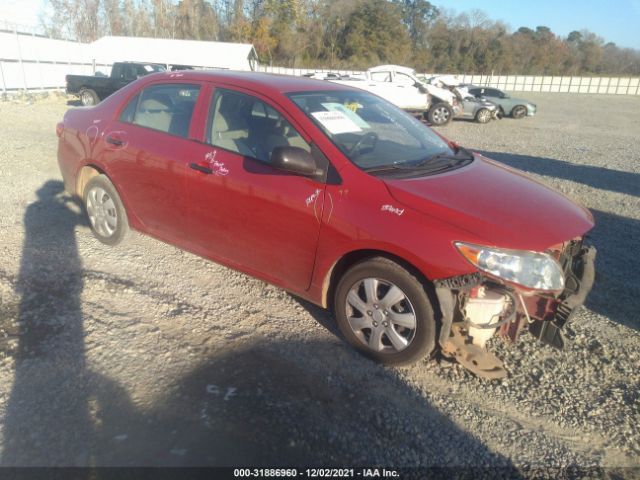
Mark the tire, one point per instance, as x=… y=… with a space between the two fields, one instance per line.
x=483 y=116
x=361 y=315
x=88 y=97
x=501 y=112
x=440 y=114
x=519 y=111
x=105 y=211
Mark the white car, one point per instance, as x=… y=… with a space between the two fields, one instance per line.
x=438 y=104
x=400 y=86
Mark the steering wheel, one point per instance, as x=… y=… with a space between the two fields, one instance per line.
x=369 y=135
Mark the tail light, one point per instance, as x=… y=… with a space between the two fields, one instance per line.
x=59 y=129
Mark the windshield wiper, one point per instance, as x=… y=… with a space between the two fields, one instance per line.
x=461 y=154
x=437 y=162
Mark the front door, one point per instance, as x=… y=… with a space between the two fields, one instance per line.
x=242 y=210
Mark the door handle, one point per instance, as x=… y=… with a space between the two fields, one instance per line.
x=114 y=141
x=201 y=168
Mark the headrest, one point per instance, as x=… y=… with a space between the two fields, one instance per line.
x=220 y=123
x=158 y=102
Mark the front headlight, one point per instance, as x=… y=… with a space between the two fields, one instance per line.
x=538 y=271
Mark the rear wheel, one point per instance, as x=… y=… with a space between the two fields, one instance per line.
x=383 y=310
x=483 y=116
x=105 y=210
x=519 y=112
x=440 y=114
x=88 y=97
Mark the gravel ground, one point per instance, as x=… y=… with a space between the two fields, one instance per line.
x=147 y=355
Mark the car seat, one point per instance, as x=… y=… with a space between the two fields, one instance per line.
x=155 y=112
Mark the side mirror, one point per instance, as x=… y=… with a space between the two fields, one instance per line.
x=294 y=160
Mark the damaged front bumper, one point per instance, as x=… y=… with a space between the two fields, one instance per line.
x=579 y=270
x=466 y=298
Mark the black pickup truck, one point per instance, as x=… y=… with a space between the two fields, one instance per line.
x=92 y=89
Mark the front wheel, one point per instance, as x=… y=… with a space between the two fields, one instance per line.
x=440 y=114
x=383 y=310
x=107 y=216
x=483 y=116
x=519 y=112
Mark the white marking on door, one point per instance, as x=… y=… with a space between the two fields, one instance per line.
x=392 y=209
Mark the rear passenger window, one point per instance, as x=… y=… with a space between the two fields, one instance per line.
x=129 y=112
x=244 y=124
x=165 y=107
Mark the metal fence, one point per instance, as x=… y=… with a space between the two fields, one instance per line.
x=513 y=83
x=30 y=61
x=552 y=84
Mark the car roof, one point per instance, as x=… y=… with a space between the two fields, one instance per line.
x=397 y=68
x=258 y=81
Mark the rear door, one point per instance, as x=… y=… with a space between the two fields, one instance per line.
x=146 y=155
x=242 y=210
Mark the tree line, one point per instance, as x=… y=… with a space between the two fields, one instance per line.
x=351 y=34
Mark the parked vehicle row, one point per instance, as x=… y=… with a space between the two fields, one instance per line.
x=336 y=195
x=438 y=99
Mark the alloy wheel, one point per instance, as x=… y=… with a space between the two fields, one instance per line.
x=440 y=115
x=519 y=112
x=484 y=116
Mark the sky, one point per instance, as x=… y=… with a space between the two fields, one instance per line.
x=616 y=21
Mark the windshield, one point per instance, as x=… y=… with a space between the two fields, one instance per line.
x=154 y=68
x=370 y=131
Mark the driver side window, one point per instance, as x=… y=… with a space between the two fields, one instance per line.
x=381 y=76
x=404 y=79
x=245 y=125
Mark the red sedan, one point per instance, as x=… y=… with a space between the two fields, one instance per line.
x=339 y=197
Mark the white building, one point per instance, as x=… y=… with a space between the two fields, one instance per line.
x=229 y=56
x=29 y=61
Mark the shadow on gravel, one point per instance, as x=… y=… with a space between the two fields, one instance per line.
x=285 y=404
x=41 y=413
x=597 y=177
x=321 y=315
x=270 y=403
x=74 y=103
x=616 y=292
x=298 y=403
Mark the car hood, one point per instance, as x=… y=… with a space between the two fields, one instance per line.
x=496 y=204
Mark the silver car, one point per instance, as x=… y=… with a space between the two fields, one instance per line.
x=478 y=109
x=514 y=107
